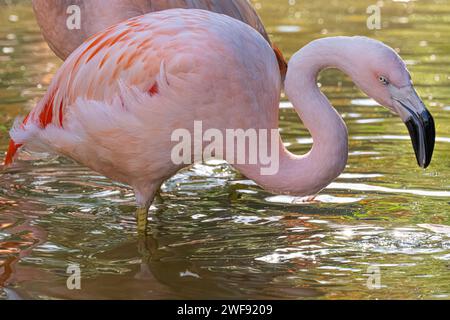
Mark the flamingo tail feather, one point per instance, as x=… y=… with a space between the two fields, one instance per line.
x=12 y=150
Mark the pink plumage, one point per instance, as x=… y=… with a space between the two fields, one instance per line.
x=115 y=101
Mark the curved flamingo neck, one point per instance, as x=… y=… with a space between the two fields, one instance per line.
x=328 y=156
x=308 y=174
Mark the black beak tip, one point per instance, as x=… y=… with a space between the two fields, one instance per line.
x=423 y=134
x=430 y=136
x=425 y=165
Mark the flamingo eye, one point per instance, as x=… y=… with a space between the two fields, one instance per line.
x=383 y=80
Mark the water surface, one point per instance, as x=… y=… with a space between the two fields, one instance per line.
x=216 y=234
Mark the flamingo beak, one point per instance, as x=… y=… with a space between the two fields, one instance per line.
x=422 y=131
x=419 y=121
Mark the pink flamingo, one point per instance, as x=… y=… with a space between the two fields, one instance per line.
x=117 y=99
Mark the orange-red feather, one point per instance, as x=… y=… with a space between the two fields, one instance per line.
x=45 y=118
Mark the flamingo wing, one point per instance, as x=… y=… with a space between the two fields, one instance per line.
x=122 y=53
x=156 y=58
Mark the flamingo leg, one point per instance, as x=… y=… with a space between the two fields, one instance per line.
x=142 y=219
x=144 y=199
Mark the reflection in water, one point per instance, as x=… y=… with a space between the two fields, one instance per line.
x=218 y=235
x=18 y=237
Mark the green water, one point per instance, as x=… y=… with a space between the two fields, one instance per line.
x=217 y=235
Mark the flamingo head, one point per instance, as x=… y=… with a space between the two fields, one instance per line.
x=387 y=80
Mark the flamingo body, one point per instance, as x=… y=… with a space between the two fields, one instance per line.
x=116 y=100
